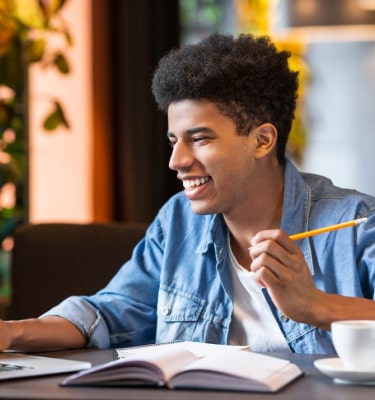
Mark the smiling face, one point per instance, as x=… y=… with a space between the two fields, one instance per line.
x=217 y=166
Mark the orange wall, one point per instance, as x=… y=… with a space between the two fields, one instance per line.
x=60 y=162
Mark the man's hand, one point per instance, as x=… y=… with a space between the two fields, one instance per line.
x=278 y=264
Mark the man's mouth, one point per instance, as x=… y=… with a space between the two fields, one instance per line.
x=190 y=184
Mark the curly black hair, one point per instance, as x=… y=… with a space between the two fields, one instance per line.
x=246 y=77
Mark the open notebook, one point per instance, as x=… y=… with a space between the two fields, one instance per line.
x=190 y=365
x=19 y=365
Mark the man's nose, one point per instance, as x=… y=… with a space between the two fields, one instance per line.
x=181 y=156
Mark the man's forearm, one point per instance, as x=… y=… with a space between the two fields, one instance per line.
x=333 y=307
x=47 y=333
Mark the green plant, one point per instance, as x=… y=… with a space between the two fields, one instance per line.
x=26 y=29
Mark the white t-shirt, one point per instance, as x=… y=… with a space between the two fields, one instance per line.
x=252 y=321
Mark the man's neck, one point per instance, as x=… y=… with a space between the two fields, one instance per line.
x=264 y=211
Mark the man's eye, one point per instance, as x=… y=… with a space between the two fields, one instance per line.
x=199 y=138
x=172 y=143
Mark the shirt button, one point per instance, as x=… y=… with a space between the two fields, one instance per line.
x=165 y=310
x=284 y=318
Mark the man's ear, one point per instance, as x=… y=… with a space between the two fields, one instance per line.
x=266 y=138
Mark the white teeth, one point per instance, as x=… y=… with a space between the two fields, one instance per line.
x=193 y=183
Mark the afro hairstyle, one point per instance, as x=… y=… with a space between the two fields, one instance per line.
x=246 y=77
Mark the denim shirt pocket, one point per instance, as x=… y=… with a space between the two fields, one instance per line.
x=178 y=314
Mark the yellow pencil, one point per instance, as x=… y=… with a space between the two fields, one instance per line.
x=313 y=232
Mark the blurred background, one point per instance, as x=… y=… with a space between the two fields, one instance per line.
x=81 y=139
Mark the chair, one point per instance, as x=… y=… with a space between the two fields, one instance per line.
x=52 y=261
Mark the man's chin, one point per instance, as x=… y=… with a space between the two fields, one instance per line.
x=202 y=209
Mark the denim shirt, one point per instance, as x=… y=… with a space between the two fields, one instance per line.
x=177 y=284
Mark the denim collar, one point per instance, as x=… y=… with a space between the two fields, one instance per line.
x=296 y=208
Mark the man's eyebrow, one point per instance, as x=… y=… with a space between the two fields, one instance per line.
x=192 y=131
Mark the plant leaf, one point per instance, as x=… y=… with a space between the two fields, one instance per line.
x=36 y=50
x=61 y=63
x=68 y=37
x=55 y=118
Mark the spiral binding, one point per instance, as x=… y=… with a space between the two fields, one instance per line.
x=118 y=353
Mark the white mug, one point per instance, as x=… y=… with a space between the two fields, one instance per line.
x=354 y=342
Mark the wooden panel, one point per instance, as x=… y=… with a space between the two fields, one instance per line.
x=102 y=117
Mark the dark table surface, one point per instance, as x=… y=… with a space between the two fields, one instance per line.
x=314 y=385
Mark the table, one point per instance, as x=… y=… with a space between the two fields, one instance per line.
x=314 y=385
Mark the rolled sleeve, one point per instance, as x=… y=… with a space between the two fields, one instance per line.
x=85 y=317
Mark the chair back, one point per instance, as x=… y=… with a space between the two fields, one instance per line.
x=52 y=261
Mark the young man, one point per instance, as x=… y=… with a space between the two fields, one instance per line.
x=217 y=264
